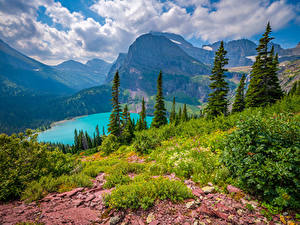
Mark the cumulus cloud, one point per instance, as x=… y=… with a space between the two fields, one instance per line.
x=72 y=35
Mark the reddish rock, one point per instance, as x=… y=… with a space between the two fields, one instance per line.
x=73 y=192
x=154 y=222
x=233 y=189
x=221 y=215
x=198 y=192
x=203 y=209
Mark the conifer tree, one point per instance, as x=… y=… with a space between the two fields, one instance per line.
x=142 y=123
x=173 y=112
x=125 y=116
x=103 y=131
x=88 y=139
x=239 y=102
x=264 y=85
x=217 y=102
x=160 y=110
x=76 y=141
x=179 y=115
x=127 y=131
x=184 y=114
x=98 y=138
x=295 y=90
x=114 y=126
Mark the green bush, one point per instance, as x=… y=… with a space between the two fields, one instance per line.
x=116 y=178
x=24 y=160
x=118 y=173
x=110 y=144
x=263 y=154
x=144 y=193
x=189 y=160
x=47 y=184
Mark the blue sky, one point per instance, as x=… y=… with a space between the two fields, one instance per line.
x=56 y=30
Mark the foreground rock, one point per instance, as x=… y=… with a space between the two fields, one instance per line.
x=85 y=206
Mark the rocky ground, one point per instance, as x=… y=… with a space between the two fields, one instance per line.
x=85 y=206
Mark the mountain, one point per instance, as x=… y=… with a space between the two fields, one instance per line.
x=203 y=55
x=290 y=54
x=289 y=73
x=22 y=75
x=239 y=52
x=184 y=76
x=80 y=76
x=115 y=66
x=148 y=55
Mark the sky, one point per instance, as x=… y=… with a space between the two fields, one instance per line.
x=53 y=31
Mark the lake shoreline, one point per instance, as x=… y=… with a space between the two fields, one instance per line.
x=53 y=124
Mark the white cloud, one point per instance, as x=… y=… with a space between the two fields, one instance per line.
x=83 y=38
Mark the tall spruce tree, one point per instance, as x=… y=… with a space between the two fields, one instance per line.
x=184 y=114
x=178 y=116
x=127 y=132
x=142 y=123
x=217 y=102
x=114 y=126
x=125 y=116
x=239 y=102
x=76 y=140
x=264 y=85
x=173 y=112
x=160 y=110
x=295 y=90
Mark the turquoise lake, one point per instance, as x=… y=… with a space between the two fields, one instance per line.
x=64 y=132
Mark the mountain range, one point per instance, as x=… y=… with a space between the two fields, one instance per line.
x=22 y=75
x=33 y=94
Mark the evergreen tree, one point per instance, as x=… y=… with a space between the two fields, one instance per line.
x=98 y=138
x=125 y=116
x=217 y=102
x=264 y=85
x=184 y=114
x=76 y=141
x=160 y=110
x=89 y=140
x=173 y=112
x=114 y=126
x=128 y=132
x=239 y=102
x=142 y=123
x=178 y=117
x=295 y=90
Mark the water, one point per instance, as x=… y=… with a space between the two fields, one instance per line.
x=64 y=132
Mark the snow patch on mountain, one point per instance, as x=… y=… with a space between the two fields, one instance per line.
x=208 y=48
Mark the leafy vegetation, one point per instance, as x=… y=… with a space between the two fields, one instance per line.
x=262 y=154
x=144 y=193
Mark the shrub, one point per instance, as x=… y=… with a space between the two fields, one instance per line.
x=118 y=173
x=47 y=184
x=188 y=159
x=23 y=160
x=110 y=144
x=144 y=193
x=263 y=155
